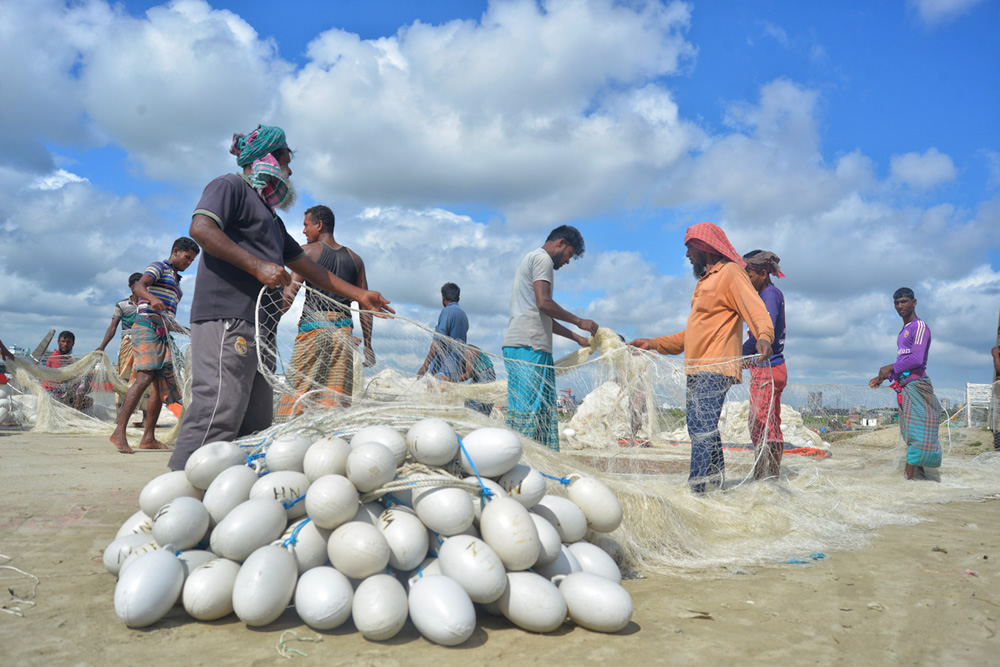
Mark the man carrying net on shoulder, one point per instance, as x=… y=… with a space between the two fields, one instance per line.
x=723 y=299
x=527 y=345
x=159 y=292
x=920 y=411
x=323 y=355
x=246 y=248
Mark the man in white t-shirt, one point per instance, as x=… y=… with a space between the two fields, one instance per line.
x=527 y=345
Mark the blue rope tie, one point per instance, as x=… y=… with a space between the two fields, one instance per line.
x=294 y=537
x=562 y=480
x=289 y=504
x=486 y=493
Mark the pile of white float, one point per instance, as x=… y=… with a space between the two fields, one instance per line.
x=225 y=536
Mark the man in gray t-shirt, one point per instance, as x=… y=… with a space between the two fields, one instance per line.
x=527 y=345
x=246 y=246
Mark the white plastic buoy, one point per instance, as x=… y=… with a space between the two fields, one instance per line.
x=182 y=522
x=494 y=451
x=247 y=528
x=597 y=502
x=331 y=500
x=406 y=536
x=205 y=464
x=323 y=598
x=441 y=610
x=230 y=488
x=192 y=559
x=137 y=523
x=264 y=585
x=208 y=590
x=137 y=551
x=371 y=465
x=445 y=510
x=326 y=456
x=532 y=602
x=566 y=563
x=596 y=560
x=550 y=544
x=162 y=489
x=509 y=530
x=432 y=442
x=385 y=435
x=524 y=484
x=285 y=486
x=309 y=547
x=478 y=501
x=564 y=515
x=596 y=603
x=475 y=566
x=287 y=452
x=148 y=588
x=358 y=550
x=379 y=607
x=122 y=547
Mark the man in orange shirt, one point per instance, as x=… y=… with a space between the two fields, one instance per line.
x=723 y=299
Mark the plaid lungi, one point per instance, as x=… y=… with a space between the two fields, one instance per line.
x=125 y=360
x=919 y=421
x=322 y=359
x=531 y=394
x=151 y=354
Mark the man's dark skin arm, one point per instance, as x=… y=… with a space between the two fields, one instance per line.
x=543 y=298
x=109 y=334
x=215 y=242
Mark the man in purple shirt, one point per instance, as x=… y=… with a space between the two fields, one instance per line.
x=920 y=411
x=767 y=378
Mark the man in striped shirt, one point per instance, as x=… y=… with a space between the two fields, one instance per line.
x=158 y=292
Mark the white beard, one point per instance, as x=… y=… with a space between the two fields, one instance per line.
x=290 y=197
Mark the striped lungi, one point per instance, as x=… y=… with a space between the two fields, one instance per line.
x=919 y=421
x=322 y=359
x=531 y=394
x=151 y=354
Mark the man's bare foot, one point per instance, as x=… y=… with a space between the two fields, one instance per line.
x=121 y=444
x=152 y=444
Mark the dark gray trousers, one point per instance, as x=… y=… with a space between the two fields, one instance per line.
x=230 y=398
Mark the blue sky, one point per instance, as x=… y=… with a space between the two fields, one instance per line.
x=854 y=139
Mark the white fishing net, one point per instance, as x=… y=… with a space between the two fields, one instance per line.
x=621 y=418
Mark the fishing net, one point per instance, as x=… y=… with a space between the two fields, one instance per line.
x=620 y=416
x=84 y=394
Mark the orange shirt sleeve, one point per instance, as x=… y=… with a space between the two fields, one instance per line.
x=672 y=344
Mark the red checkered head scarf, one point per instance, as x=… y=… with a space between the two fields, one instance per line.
x=708 y=237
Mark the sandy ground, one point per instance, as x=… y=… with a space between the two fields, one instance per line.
x=925 y=595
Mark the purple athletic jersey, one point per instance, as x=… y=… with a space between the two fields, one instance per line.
x=774 y=301
x=913 y=343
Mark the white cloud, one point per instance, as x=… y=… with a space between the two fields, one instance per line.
x=542 y=112
x=938 y=12
x=56 y=180
x=777 y=33
x=922 y=172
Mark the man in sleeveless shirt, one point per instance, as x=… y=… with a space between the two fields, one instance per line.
x=323 y=356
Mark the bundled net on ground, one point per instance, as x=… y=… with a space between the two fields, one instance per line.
x=620 y=418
